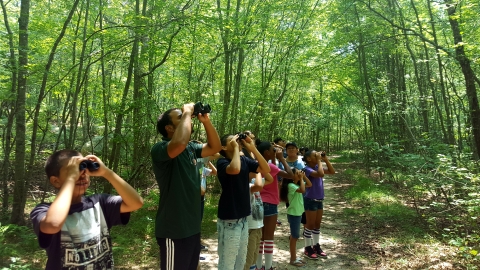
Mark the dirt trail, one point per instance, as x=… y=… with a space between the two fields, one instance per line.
x=332 y=239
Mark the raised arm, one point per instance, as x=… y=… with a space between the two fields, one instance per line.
x=258 y=184
x=213 y=144
x=263 y=166
x=301 y=189
x=235 y=165
x=319 y=172
x=308 y=183
x=57 y=213
x=182 y=132
x=268 y=178
x=131 y=200
x=287 y=173
x=330 y=169
x=213 y=168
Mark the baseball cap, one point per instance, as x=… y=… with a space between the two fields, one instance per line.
x=291 y=144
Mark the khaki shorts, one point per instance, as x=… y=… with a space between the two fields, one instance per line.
x=254 y=238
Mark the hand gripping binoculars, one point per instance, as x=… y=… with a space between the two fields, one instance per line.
x=90 y=165
x=200 y=108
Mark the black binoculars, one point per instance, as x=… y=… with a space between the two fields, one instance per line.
x=242 y=136
x=200 y=108
x=90 y=165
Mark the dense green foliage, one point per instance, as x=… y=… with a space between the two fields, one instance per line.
x=395 y=81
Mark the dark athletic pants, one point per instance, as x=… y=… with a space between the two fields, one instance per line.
x=179 y=254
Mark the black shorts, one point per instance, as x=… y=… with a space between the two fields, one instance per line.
x=179 y=253
x=304 y=218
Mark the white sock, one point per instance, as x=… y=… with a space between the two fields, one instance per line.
x=307 y=235
x=268 y=252
x=260 y=256
x=316 y=236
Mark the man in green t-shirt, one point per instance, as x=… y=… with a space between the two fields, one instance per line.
x=177 y=225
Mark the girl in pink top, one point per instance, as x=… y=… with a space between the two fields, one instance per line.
x=271 y=199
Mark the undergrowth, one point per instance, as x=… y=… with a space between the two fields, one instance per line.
x=441 y=188
x=134 y=245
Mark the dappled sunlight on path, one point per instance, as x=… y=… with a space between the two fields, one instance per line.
x=331 y=238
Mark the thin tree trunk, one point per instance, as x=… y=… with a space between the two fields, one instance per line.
x=78 y=86
x=114 y=157
x=448 y=136
x=20 y=129
x=9 y=107
x=41 y=95
x=105 y=94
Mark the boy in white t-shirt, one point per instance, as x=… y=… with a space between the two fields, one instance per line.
x=75 y=229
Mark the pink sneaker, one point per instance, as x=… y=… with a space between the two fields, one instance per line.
x=310 y=253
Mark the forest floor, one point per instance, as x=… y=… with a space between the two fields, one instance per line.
x=349 y=242
x=380 y=232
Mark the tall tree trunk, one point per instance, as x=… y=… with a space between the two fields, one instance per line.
x=41 y=95
x=420 y=84
x=137 y=123
x=469 y=76
x=105 y=94
x=236 y=91
x=366 y=84
x=278 y=101
x=20 y=128
x=225 y=34
x=141 y=104
x=9 y=106
x=114 y=157
x=448 y=136
x=427 y=77
x=78 y=86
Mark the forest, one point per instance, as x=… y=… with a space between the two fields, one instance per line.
x=389 y=84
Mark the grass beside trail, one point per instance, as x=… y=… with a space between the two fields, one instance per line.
x=387 y=232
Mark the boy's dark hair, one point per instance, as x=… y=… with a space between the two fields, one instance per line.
x=163 y=120
x=277 y=140
x=284 y=187
x=223 y=141
x=307 y=154
x=263 y=146
x=57 y=160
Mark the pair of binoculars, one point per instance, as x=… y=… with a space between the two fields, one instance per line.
x=90 y=165
x=242 y=136
x=200 y=108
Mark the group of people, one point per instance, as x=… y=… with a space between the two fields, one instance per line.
x=254 y=175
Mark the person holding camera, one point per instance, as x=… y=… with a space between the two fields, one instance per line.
x=313 y=201
x=174 y=160
x=233 y=172
x=75 y=229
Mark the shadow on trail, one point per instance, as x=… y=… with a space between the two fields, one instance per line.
x=354 y=238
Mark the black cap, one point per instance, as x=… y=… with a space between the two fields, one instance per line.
x=291 y=143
